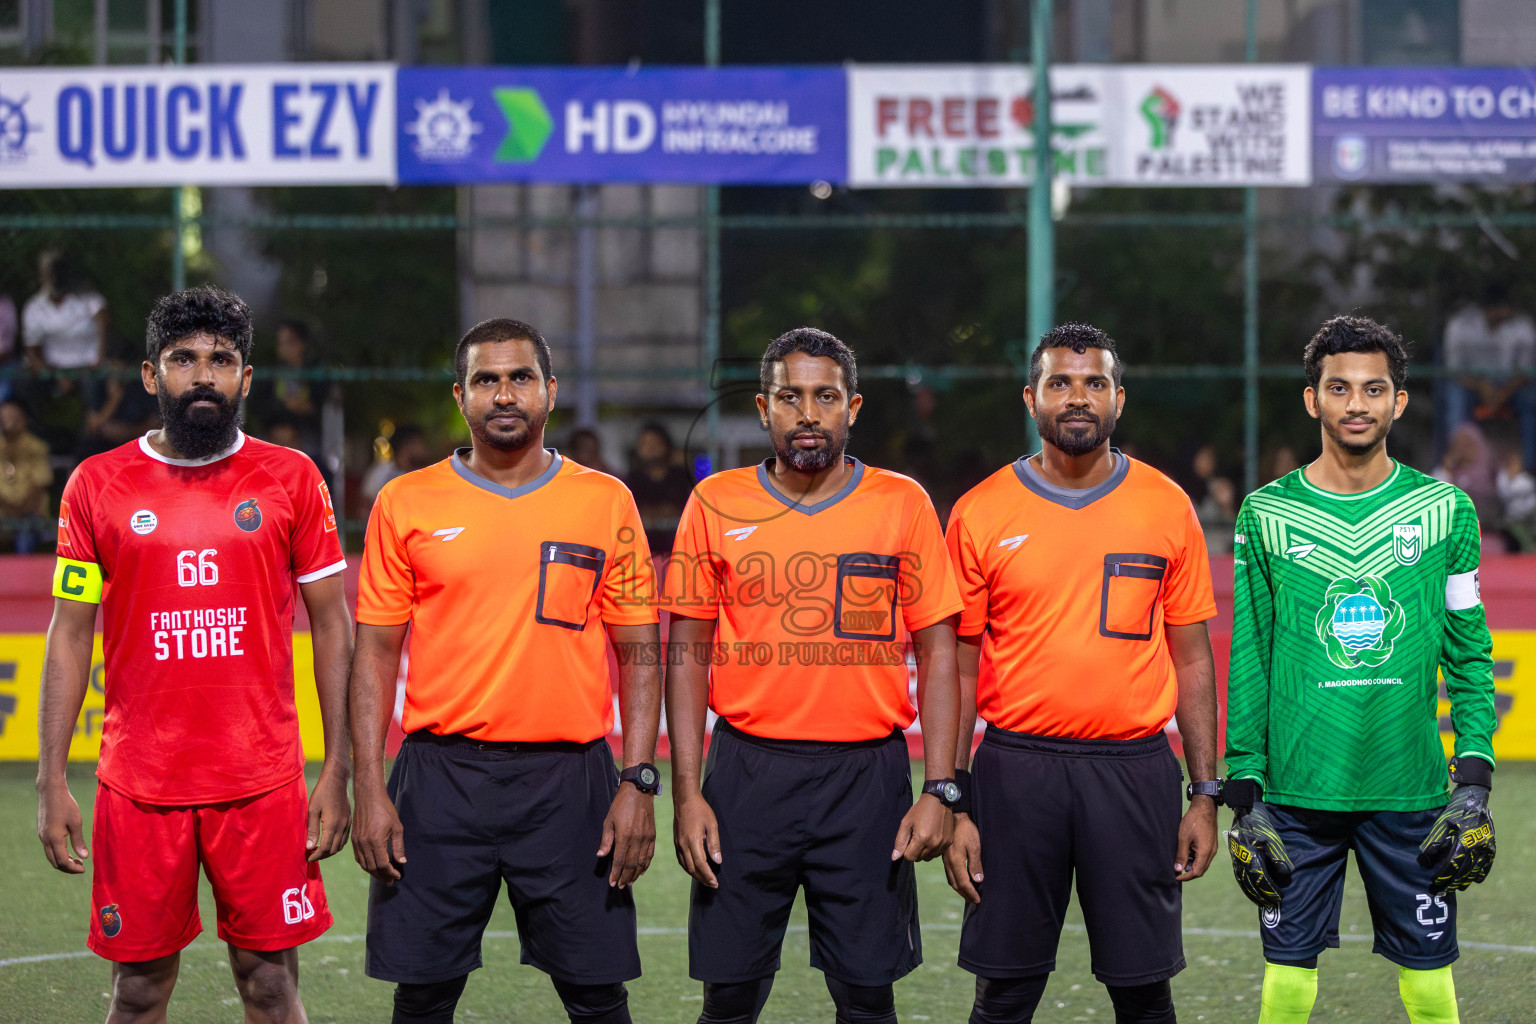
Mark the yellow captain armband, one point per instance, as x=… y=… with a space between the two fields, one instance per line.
x=77 y=581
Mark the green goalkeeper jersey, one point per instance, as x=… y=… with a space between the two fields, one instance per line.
x=1344 y=607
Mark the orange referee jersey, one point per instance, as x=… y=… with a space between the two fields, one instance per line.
x=1073 y=589
x=507 y=591
x=813 y=604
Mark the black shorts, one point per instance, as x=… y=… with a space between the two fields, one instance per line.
x=529 y=814
x=1413 y=927
x=819 y=815
x=1106 y=810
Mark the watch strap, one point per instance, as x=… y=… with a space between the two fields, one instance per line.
x=1211 y=788
x=947 y=790
x=643 y=776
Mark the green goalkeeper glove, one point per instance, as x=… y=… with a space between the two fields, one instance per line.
x=1460 y=847
x=1259 y=861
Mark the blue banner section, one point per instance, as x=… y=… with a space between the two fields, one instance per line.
x=589 y=125
x=1424 y=124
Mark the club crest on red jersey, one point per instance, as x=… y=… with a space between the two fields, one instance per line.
x=111 y=920
x=248 y=516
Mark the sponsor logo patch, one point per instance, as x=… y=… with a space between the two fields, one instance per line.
x=248 y=516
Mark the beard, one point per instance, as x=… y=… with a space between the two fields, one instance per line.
x=199 y=433
x=513 y=440
x=1357 y=445
x=1076 y=438
x=811 y=460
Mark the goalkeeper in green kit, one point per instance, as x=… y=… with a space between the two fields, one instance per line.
x=1356 y=580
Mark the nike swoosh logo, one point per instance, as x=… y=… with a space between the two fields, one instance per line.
x=740 y=533
x=1013 y=543
x=449 y=533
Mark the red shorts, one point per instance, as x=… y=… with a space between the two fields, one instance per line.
x=145 y=859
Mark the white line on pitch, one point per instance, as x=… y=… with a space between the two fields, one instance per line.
x=1217 y=933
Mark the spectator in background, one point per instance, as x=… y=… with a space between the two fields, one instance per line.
x=660 y=484
x=292 y=403
x=404 y=452
x=1490 y=351
x=117 y=411
x=1217 y=512
x=1517 y=495
x=1283 y=461
x=64 y=325
x=1469 y=464
x=1202 y=469
x=10 y=338
x=25 y=476
x=587 y=450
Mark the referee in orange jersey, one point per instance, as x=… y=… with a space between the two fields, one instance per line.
x=1087 y=589
x=508 y=564
x=800 y=581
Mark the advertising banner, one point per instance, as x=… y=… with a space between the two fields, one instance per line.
x=1219 y=125
x=970 y=126
x=1136 y=125
x=21 y=676
x=226 y=124
x=589 y=125
x=1424 y=124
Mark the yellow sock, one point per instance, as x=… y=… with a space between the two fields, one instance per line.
x=1289 y=993
x=1428 y=996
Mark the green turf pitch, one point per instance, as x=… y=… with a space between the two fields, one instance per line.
x=43 y=912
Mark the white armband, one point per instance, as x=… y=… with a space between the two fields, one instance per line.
x=1462 y=591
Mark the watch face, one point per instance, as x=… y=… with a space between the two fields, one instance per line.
x=951 y=792
x=648 y=776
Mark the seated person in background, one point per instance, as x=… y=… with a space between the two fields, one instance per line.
x=119 y=410
x=660 y=484
x=1468 y=463
x=1517 y=494
x=586 y=449
x=65 y=324
x=1217 y=512
x=1490 y=349
x=25 y=476
x=407 y=451
x=291 y=403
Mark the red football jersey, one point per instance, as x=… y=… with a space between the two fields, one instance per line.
x=194 y=564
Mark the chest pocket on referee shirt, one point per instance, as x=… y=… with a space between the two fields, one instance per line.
x=1132 y=585
x=568 y=577
x=865 y=608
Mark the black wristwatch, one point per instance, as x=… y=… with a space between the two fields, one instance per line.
x=947 y=790
x=645 y=777
x=1211 y=789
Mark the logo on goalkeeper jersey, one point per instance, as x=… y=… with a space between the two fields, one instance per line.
x=1359 y=622
x=1407 y=542
x=1270 y=916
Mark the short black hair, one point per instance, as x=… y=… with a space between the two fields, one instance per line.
x=1077 y=337
x=499 y=329
x=813 y=343
x=201 y=310
x=659 y=429
x=405 y=433
x=299 y=328
x=1355 y=334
